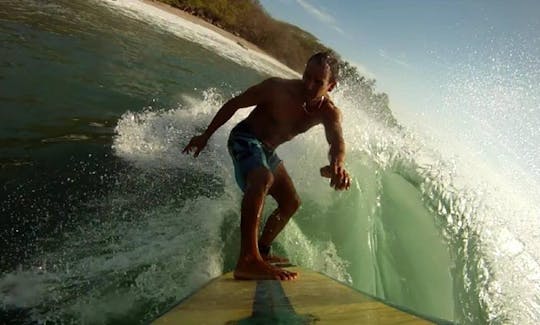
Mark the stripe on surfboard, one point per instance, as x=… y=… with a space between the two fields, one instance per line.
x=272 y=306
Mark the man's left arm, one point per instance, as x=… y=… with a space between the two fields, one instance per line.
x=340 y=179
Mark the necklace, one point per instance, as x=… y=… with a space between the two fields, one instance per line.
x=305 y=106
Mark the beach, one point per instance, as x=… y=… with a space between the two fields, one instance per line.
x=203 y=23
x=197 y=30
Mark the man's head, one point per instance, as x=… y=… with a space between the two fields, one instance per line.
x=320 y=74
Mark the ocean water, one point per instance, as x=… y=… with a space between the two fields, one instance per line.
x=103 y=220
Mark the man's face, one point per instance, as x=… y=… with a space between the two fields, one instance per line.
x=317 y=80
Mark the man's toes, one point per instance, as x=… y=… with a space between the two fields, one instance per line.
x=291 y=274
x=282 y=275
x=288 y=275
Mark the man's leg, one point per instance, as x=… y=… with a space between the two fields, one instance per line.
x=283 y=191
x=250 y=263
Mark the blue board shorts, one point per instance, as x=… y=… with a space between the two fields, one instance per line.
x=248 y=153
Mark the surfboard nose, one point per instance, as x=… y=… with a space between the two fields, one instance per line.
x=313 y=298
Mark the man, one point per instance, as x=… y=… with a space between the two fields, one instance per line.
x=284 y=109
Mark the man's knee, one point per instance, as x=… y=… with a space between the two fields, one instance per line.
x=291 y=206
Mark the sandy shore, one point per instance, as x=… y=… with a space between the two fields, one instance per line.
x=199 y=21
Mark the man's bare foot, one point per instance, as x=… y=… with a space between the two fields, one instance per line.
x=261 y=270
x=274 y=259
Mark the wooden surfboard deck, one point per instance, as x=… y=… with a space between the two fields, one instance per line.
x=313 y=298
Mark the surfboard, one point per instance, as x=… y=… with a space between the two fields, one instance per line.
x=313 y=298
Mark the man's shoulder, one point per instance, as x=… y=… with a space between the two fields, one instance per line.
x=280 y=87
x=330 y=110
x=280 y=82
x=329 y=107
x=272 y=84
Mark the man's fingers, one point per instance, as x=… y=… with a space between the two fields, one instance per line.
x=340 y=178
x=188 y=149
x=195 y=145
x=336 y=178
x=338 y=184
x=345 y=182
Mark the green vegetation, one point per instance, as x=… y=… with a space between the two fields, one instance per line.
x=248 y=19
x=285 y=42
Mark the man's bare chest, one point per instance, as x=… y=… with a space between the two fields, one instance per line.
x=292 y=115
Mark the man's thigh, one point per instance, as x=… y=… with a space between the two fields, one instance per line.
x=282 y=189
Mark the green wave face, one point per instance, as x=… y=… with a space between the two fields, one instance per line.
x=107 y=222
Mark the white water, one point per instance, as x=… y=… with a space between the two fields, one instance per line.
x=469 y=195
x=492 y=201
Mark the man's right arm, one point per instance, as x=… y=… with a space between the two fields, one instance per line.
x=340 y=178
x=254 y=95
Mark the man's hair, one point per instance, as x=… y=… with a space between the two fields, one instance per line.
x=329 y=59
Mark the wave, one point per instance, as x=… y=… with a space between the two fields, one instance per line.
x=416 y=229
x=406 y=231
x=195 y=33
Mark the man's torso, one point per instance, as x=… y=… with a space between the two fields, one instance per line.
x=283 y=115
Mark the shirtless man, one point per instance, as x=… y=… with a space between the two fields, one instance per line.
x=284 y=109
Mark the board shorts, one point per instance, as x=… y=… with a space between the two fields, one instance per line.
x=248 y=153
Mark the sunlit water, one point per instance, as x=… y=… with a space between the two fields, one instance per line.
x=105 y=221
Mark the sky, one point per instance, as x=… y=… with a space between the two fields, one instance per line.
x=462 y=64
x=403 y=44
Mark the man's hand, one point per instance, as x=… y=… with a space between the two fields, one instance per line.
x=339 y=177
x=197 y=143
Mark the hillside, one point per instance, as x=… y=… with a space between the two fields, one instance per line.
x=287 y=43
x=248 y=19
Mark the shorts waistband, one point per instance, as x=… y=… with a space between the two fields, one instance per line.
x=243 y=130
x=242 y=127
